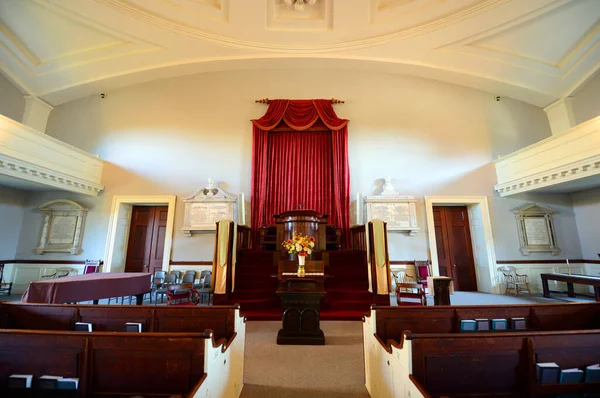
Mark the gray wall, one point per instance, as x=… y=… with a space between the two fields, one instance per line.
x=586 y=205
x=11 y=218
x=12 y=103
x=586 y=103
x=504 y=225
x=94 y=234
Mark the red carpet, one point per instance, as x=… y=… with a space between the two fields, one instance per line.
x=347 y=294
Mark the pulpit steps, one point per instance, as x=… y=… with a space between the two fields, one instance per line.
x=347 y=294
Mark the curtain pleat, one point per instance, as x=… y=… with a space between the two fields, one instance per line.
x=299 y=173
x=300 y=168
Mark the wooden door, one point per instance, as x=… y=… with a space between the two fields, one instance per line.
x=146 y=244
x=454 y=248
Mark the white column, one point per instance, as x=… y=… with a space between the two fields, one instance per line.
x=36 y=113
x=241 y=209
x=560 y=115
x=359 y=209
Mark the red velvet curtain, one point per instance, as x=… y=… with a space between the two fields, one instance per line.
x=308 y=168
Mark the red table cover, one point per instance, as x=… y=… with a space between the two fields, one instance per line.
x=72 y=289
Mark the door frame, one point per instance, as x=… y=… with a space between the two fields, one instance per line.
x=472 y=202
x=147 y=200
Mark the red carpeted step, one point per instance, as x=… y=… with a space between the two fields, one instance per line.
x=344 y=294
x=259 y=304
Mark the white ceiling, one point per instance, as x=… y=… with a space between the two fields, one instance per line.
x=532 y=50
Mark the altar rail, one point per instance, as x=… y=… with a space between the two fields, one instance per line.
x=30 y=155
x=570 y=155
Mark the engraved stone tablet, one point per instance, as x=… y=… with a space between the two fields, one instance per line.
x=62 y=229
x=205 y=208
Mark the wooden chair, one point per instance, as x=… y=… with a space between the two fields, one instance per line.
x=92 y=266
x=514 y=281
x=410 y=294
x=423 y=270
x=182 y=294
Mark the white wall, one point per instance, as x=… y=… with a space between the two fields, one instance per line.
x=586 y=104
x=11 y=217
x=169 y=136
x=12 y=103
x=586 y=205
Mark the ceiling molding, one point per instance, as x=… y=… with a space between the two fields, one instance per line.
x=506 y=47
x=475 y=46
x=116 y=44
x=164 y=23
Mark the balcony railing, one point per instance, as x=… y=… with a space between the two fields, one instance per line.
x=570 y=155
x=30 y=155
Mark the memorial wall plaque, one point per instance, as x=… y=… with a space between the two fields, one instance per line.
x=62 y=229
x=399 y=212
x=536 y=229
x=206 y=207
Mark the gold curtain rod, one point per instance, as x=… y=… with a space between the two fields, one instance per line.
x=267 y=101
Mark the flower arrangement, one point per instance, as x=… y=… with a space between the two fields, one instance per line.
x=301 y=245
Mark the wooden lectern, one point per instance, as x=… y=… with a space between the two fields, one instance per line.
x=301 y=301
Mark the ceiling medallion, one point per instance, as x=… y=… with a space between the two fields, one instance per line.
x=300 y=4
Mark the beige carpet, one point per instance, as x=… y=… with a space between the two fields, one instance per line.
x=334 y=370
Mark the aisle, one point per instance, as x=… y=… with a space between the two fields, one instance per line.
x=334 y=370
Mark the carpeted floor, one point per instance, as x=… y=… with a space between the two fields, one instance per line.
x=334 y=370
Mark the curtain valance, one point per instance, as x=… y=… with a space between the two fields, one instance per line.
x=299 y=115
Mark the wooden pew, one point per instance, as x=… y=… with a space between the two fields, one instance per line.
x=388 y=362
x=111 y=318
x=468 y=365
x=391 y=322
x=222 y=326
x=105 y=362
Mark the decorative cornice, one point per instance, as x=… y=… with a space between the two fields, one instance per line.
x=30 y=172
x=572 y=171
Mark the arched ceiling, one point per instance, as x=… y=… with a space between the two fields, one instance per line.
x=532 y=50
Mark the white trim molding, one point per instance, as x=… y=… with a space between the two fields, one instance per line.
x=30 y=155
x=151 y=200
x=570 y=155
x=486 y=281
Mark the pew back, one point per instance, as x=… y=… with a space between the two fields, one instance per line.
x=391 y=322
x=172 y=363
x=468 y=365
x=111 y=318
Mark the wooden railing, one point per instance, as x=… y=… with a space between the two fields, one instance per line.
x=243 y=237
x=358 y=237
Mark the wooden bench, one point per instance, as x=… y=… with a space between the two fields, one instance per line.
x=222 y=328
x=105 y=363
x=391 y=322
x=387 y=358
x=467 y=365
x=111 y=318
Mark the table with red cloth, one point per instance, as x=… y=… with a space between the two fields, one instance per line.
x=72 y=289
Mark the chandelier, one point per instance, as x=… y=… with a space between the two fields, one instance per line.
x=299 y=4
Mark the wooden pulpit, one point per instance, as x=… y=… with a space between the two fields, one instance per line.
x=306 y=222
